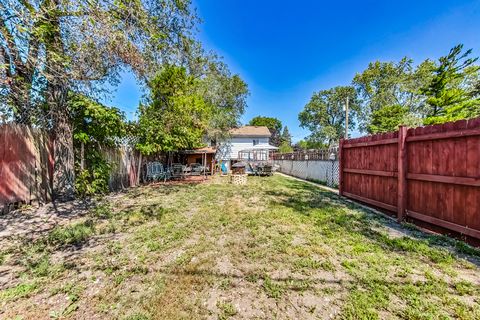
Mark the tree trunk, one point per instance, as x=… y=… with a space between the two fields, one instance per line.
x=57 y=91
x=63 y=172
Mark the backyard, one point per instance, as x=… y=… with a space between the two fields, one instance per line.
x=277 y=248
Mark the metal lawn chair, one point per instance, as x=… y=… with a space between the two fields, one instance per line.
x=156 y=172
x=178 y=171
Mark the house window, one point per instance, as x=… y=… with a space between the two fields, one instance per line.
x=255 y=142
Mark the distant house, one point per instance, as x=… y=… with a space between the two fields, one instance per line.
x=249 y=141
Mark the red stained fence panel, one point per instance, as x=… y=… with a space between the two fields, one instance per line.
x=27 y=160
x=26 y=164
x=429 y=175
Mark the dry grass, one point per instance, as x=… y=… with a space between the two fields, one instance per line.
x=279 y=248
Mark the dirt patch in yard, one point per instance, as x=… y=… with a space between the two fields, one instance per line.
x=31 y=222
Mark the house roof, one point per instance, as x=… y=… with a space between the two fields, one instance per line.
x=200 y=150
x=250 y=131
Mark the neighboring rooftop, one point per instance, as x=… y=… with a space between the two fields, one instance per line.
x=250 y=131
x=200 y=150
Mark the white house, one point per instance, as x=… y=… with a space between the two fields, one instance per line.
x=246 y=140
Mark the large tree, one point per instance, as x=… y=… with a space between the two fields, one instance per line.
x=51 y=47
x=387 y=84
x=286 y=141
x=308 y=144
x=286 y=136
x=176 y=115
x=453 y=93
x=273 y=124
x=379 y=85
x=325 y=117
x=183 y=109
x=227 y=94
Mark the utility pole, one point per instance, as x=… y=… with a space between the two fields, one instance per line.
x=346 y=120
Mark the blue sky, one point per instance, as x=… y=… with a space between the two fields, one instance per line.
x=286 y=50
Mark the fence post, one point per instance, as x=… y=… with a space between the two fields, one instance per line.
x=139 y=169
x=402 y=173
x=306 y=169
x=291 y=166
x=340 y=167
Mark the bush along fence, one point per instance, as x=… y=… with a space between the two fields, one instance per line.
x=318 y=165
x=427 y=175
x=27 y=161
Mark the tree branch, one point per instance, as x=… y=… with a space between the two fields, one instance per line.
x=9 y=39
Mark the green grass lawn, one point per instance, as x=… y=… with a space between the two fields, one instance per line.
x=275 y=249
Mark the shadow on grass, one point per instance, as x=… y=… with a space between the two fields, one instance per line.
x=331 y=215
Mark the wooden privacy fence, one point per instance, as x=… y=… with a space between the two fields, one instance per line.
x=124 y=162
x=428 y=175
x=26 y=165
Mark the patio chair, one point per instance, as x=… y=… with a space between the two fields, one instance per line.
x=197 y=169
x=156 y=172
x=264 y=170
x=150 y=172
x=178 y=171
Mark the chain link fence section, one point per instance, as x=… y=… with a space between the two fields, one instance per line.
x=321 y=166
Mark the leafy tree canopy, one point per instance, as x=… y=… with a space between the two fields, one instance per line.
x=177 y=116
x=325 y=117
x=391 y=83
x=269 y=122
x=309 y=144
x=387 y=119
x=95 y=126
x=286 y=136
x=395 y=93
x=285 y=147
x=452 y=93
x=95 y=123
x=184 y=107
x=286 y=141
x=51 y=47
x=273 y=124
x=227 y=94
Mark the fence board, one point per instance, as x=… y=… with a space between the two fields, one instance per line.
x=25 y=168
x=441 y=170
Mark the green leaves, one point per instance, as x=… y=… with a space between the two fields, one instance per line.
x=395 y=93
x=177 y=116
x=94 y=122
x=324 y=115
x=94 y=125
x=273 y=124
x=387 y=119
x=184 y=109
x=452 y=93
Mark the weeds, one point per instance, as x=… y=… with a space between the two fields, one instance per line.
x=227 y=310
x=272 y=289
x=22 y=290
x=74 y=234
